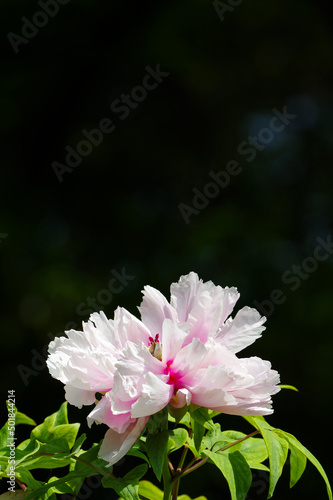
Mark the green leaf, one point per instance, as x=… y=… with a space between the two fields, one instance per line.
x=3 y=436
x=177 y=413
x=88 y=462
x=158 y=421
x=212 y=437
x=186 y=497
x=78 y=443
x=56 y=433
x=253 y=449
x=198 y=434
x=294 y=442
x=27 y=478
x=277 y=448
x=128 y=486
x=150 y=491
x=203 y=416
x=178 y=438
x=26 y=451
x=258 y=422
x=45 y=462
x=42 y=431
x=20 y=418
x=157 y=446
x=186 y=419
x=44 y=489
x=297 y=464
x=235 y=470
x=63 y=488
x=135 y=452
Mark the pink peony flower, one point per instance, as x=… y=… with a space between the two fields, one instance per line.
x=180 y=352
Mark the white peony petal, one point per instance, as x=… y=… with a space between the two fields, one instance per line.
x=183 y=294
x=102 y=414
x=85 y=360
x=172 y=338
x=156 y=394
x=79 y=397
x=129 y=328
x=242 y=331
x=154 y=309
x=115 y=445
x=181 y=398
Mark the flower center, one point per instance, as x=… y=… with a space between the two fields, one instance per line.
x=155 y=347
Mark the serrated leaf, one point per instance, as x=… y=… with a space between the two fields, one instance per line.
x=157 y=446
x=294 y=442
x=277 y=448
x=297 y=464
x=235 y=470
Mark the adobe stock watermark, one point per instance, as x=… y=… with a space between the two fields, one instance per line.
x=224 y=7
x=122 y=108
x=116 y=285
x=30 y=27
x=248 y=148
x=297 y=274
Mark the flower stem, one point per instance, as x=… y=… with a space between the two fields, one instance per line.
x=178 y=471
x=167 y=485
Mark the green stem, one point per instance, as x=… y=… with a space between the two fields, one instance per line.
x=167 y=485
x=179 y=470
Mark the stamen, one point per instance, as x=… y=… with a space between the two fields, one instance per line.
x=155 y=346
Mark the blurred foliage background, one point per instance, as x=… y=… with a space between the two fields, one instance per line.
x=119 y=209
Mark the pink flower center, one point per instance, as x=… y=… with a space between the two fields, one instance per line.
x=173 y=377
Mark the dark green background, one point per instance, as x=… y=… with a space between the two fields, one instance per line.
x=120 y=206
